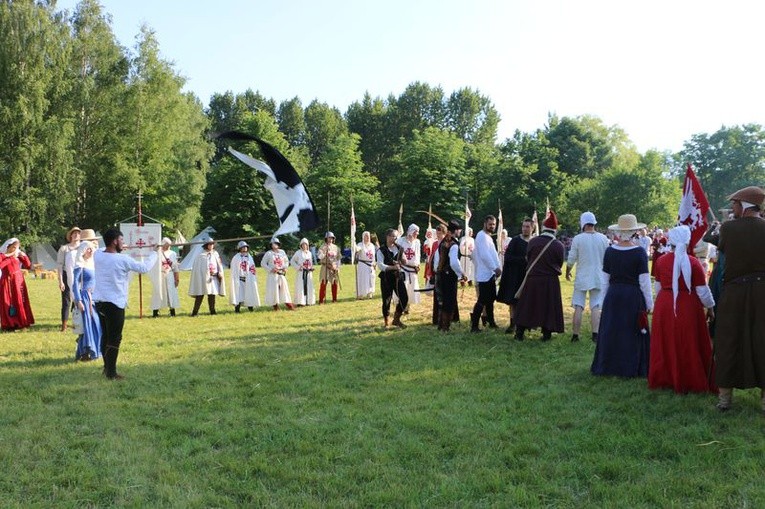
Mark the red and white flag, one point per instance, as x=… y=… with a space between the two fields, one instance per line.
x=693 y=208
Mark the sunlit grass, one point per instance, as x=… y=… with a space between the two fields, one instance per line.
x=324 y=407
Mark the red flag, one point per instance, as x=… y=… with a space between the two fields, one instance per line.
x=693 y=208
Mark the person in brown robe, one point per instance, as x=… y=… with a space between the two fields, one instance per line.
x=740 y=324
x=539 y=303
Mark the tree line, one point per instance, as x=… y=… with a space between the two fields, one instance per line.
x=86 y=123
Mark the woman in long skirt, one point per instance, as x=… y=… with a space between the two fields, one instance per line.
x=83 y=282
x=623 y=340
x=681 y=350
x=15 y=311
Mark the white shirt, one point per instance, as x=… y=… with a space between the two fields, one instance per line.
x=112 y=271
x=454 y=259
x=587 y=251
x=484 y=257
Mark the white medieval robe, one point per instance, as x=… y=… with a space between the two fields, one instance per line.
x=277 y=288
x=165 y=294
x=365 y=270
x=467 y=245
x=207 y=275
x=410 y=263
x=302 y=262
x=244 y=283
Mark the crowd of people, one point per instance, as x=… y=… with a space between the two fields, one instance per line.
x=690 y=305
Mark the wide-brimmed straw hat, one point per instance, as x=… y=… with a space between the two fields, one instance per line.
x=70 y=232
x=88 y=234
x=626 y=222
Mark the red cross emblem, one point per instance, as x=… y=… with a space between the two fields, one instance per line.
x=140 y=242
x=307 y=264
x=278 y=262
x=409 y=253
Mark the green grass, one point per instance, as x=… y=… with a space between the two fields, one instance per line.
x=323 y=407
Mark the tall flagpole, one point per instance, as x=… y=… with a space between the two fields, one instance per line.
x=140 y=280
x=329 y=228
x=353 y=246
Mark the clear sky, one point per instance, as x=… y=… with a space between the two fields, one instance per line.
x=662 y=70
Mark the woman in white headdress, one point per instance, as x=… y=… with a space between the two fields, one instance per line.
x=410 y=262
x=86 y=321
x=681 y=349
x=302 y=262
x=164 y=280
x=15 y=311
x=365 y=268
x=244 y=281
x=276 y=262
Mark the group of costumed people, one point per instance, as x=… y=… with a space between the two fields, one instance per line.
x=672 y=350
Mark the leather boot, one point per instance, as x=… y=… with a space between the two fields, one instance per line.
x=172 y=311
x=474 y=318
x=276 y=307
x=63 y=326
x=155 y=313
x=322 y=292
x=724 y=399
x=397 y=320
x=334 y=292
x=197 y=304
x=211 y=304
x=237 y=308
x=490 y=317
x=519 y=332
x=386 y=321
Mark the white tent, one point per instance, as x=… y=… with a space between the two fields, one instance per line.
x=195 y=249
x=43 y=254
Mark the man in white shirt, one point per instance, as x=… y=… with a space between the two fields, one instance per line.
x=587 y=251
x=111 y=294
x=487 y=270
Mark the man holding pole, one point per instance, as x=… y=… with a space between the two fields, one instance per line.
x=329 y=258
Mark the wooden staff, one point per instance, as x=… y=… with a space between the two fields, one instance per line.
x=176 y=244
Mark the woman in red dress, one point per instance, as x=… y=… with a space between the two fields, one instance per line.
x=15 y=311
x=681 y=350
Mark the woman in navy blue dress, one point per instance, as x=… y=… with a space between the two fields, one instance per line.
x=623 y=339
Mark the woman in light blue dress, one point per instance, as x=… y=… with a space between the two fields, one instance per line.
x=89 y=341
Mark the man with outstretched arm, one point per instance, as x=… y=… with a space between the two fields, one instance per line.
x=111 y=294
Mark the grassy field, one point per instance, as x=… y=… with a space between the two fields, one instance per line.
x=322 y=407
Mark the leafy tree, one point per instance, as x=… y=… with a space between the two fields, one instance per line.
x=292 y=124
x=646 y=191
x=35 y=133
x=324 y=125
x=165 y=153
x=727 y=160
x=430 y=170
x=472 y=117
x=98 y=73
x=339 y=174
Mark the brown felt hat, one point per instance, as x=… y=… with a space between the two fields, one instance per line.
x=752 y=194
